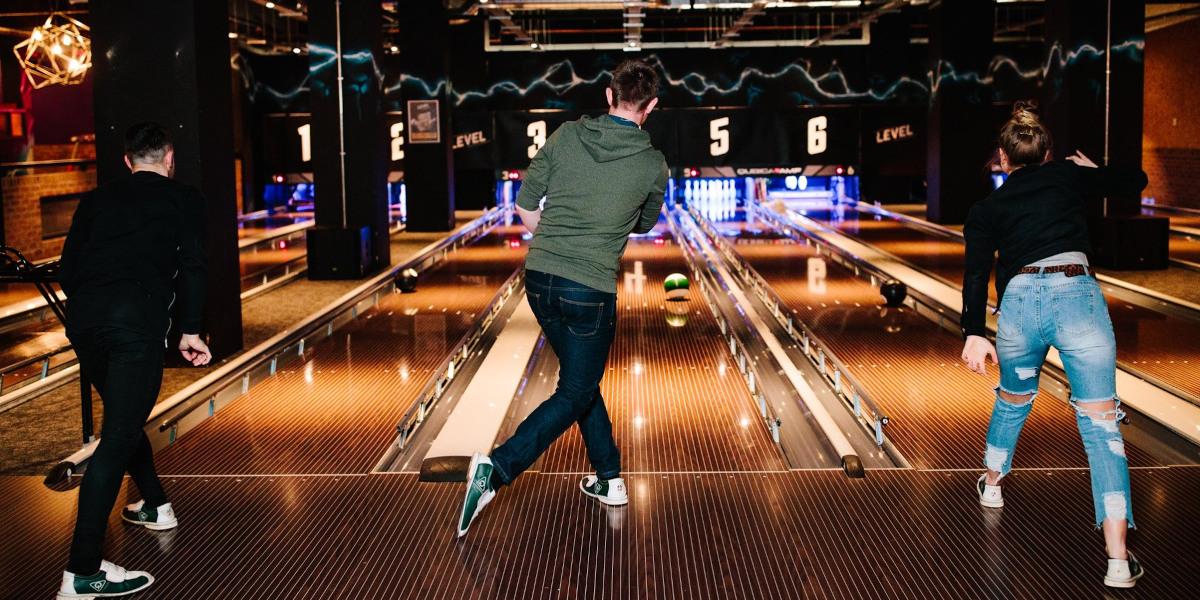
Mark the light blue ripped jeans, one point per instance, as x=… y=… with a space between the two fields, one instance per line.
x=1069 y=313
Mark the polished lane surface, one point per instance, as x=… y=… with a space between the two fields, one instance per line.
x=1163 y=346
x=337 y=412
x=259 y=262
x=938 y=409
x=677 y=402
x=756 y=534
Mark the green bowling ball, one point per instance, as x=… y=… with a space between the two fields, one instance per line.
x=676 y=286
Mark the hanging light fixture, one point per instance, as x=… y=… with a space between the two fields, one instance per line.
x=57 y=51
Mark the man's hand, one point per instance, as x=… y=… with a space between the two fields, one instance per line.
x=1082 y=160
x=976 y=351
x=194 y=350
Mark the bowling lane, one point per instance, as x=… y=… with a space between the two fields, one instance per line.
x=677 y=402
x=1185 y=247
x=17 y=298
x=266 y=260
x=1161 y=345
x=910 y=366
x=337 y=412
x=260 y=225
x=1185 y=232
x=1178 y=217
x=17 y=347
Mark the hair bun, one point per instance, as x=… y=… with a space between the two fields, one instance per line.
x=1021 y=106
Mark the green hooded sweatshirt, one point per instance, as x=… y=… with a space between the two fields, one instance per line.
x=602 y=180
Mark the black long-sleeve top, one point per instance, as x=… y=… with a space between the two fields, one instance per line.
x=142 y=233
x=1037 y=213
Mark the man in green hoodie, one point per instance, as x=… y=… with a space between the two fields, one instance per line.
x=601 y=180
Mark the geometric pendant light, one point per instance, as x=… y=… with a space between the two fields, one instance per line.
x=56 y=52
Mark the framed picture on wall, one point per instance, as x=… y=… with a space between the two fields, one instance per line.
x=424 y=122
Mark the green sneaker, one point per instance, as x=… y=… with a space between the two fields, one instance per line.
x=154 y=519
x=479 y=491
x=110 y=581
x=610 y=492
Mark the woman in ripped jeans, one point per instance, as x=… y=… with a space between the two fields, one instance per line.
x=1049 y=297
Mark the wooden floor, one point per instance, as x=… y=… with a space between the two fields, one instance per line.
x=802 y=534
x=276 y=500
x=1158 y=344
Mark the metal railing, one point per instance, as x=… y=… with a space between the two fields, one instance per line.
x=47 y=366
x=414 y=417
x=703 y=274
x=846 y=387
x=42 y=164
x=236 y=378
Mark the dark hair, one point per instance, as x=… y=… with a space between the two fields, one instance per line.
x=146 y=142
x=1023 y=138
x=634 y=82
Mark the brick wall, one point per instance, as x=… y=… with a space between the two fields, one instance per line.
x=1174 y=176
x=22 y=196
x=1171 y=116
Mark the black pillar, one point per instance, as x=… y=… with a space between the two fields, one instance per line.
x=428 y=153
x=1092 y=102
x=892 y=148
x=1085 y=110
x=169 y=62
x=474 y=169
x=349 y=140
x=961 y=124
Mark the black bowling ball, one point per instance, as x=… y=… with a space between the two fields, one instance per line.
x=407 y=281
x=893 y=292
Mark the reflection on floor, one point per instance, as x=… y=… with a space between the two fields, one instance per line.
x=275 y=498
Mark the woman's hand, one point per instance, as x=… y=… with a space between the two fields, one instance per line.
x=975 y=353
x=1082 y=160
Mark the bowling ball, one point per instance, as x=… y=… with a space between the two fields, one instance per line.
x=893 y=292
x=407 y=282
x=676 y=286
x=677 y=313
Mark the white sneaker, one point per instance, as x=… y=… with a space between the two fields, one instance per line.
x=1123 y=573
x=610 y=492
x=989 y=495
x=110 y=581
x=154 y=519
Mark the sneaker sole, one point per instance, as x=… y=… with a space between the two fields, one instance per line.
x=62 y=596
x=987 y=503
x=151 y=526
x=1124 y=584
x=603 y=499
x=991 y=503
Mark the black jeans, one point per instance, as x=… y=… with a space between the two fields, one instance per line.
x=579 y=323
x=126 y=367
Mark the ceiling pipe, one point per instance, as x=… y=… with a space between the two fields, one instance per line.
x=860 y=22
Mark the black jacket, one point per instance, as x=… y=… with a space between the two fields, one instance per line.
x=130 y=240
x=1037 y=213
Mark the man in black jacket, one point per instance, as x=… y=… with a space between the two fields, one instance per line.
x=132 y=243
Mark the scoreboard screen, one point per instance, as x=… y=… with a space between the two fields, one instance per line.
x=700 y=137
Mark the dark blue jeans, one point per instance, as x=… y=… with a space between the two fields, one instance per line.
x=579 y=323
